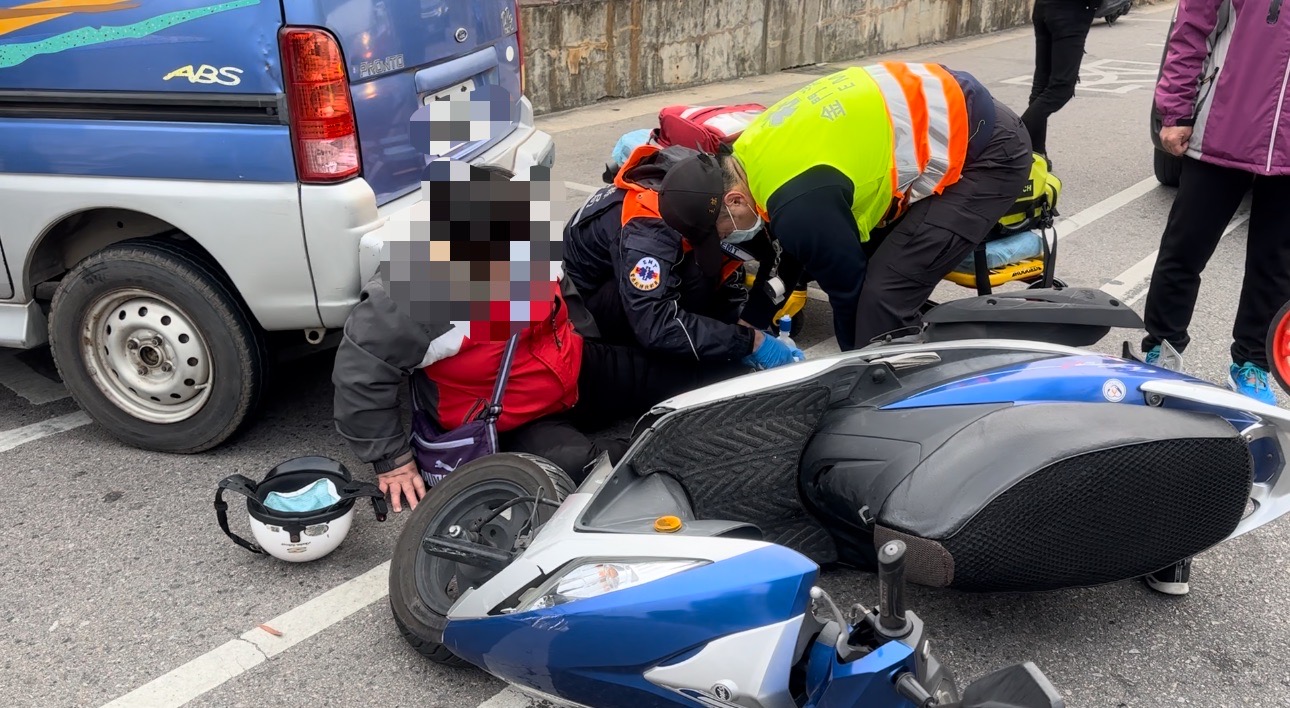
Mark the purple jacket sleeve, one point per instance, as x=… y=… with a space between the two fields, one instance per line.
x=1185 y=57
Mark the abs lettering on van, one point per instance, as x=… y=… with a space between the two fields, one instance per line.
x=207 y=74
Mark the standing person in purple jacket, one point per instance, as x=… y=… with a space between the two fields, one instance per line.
x=1225 y=111
x=1222 y=98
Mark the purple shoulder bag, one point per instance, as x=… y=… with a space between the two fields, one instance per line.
x=438 y=453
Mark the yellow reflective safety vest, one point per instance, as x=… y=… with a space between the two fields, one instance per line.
x=898 y=131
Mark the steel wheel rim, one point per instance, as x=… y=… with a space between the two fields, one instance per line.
x=146 y=356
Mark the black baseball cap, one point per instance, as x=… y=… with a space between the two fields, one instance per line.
x=689 y=200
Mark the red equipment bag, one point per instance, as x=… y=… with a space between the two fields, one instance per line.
x=703 y=127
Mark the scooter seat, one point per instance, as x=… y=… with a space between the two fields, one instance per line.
x=1003 y=497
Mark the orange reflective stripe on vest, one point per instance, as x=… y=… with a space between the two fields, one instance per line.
x=643 y=203
x=929 y=121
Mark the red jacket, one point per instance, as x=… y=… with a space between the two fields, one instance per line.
x=543 y=378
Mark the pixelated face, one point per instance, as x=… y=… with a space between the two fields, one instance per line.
x=486 y=255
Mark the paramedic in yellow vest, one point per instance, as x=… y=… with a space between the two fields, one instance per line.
x=919 y=157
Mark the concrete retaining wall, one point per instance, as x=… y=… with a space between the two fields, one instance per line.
x=578 y=52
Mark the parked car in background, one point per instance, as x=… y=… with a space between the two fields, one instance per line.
x=182 y=185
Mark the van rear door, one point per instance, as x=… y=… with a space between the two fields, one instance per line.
x=402 y=54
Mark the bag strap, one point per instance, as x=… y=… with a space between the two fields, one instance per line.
x=494 y=410
x=241 y=485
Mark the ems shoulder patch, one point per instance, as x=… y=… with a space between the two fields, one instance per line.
x=645 y=274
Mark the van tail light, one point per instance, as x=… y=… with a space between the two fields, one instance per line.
x=318 y=103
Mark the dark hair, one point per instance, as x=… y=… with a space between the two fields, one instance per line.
x=730 y=177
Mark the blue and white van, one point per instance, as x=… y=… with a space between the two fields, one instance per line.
x=183 y=182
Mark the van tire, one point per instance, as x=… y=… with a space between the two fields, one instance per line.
x=204 y=331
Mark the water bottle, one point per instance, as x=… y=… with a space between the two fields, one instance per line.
x=785 y=327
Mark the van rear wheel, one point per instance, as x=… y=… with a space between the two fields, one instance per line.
x=154 y=347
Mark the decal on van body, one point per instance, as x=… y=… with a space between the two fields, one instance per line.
x=22 y=16
x=207 y=74
x=380 y=66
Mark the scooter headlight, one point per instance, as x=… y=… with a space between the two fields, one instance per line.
x=595 y=578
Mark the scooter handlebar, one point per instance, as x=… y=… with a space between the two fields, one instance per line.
x=891 y=589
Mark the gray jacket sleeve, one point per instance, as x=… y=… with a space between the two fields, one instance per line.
x=379 y=348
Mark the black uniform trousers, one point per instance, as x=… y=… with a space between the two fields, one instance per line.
x=1061 y=28
x=615 y=384
x=1208 y=195
x=938 y=232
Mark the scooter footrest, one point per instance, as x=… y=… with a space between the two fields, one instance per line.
x=737 y=460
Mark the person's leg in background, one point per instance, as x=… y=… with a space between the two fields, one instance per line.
x=939 y=232
x=1264 y=289
x=1062 y=26
x=1207 y=197
x=1043 y=69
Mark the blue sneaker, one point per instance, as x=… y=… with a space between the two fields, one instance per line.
x=1153 y=356
x=1252 y=381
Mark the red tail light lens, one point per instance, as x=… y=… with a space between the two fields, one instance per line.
x=322 y=115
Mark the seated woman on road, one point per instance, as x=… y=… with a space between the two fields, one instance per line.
x=441 y=310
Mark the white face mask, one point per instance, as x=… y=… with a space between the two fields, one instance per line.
x=741 y=235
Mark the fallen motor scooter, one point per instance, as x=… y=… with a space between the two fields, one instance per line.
x=692 y=615
x=997 y=453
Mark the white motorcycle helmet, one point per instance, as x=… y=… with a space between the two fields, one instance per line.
x=301 y=510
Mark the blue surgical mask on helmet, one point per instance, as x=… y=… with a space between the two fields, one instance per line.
x=741 y=235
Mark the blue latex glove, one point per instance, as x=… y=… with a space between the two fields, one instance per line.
x=772 y=353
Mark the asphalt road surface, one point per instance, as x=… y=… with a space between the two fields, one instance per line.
x=118 y=583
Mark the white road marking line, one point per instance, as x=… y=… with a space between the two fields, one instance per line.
x=27 y=433
x=1132 y=285
x=1069 y=225
x=253 y=648
x=507 y=698
x=26 y=382
x=581 y=187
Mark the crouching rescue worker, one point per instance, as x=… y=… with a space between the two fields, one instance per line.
x=646 y=286
x=918 y=155
x=440 y=311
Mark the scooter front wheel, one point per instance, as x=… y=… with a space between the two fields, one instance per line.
x=423 y=587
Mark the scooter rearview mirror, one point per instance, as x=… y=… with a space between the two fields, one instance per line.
x=1018 y=686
